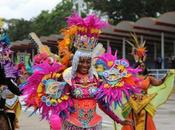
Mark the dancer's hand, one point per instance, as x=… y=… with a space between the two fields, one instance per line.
x=126 y=122
x=164 y=78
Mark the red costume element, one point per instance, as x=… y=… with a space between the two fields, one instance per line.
x=85 y=115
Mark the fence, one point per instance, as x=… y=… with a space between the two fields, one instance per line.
x=158 y=73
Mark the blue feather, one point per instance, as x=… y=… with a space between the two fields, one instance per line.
x=5 y=38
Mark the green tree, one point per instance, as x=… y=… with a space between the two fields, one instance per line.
x=118 y=10
x=18 y=29
x=48 y=23
x=45 y=23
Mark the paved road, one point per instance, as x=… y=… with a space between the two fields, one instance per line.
x=165 y=116
x=164 y=119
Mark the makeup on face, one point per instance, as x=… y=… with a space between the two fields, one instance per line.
x=84 y=65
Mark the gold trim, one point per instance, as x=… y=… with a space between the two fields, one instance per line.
x=150 y=109
x=138 y=102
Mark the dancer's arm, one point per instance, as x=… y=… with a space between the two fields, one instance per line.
x=156 y=82
x=111 y=114
x=12 y=86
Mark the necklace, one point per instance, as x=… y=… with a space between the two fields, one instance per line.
x=84 y=79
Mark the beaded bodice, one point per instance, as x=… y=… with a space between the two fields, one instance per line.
x=84 y=87
x=83 y=91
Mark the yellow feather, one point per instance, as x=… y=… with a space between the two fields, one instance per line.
x=40 y=88
x=1 y=22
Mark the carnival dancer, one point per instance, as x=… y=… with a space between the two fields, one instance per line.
x=119 y=81
x=8 y=88
x=69 y=100
x=141 y=108
x=13 y=106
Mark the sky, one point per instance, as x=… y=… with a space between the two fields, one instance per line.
x=26 y=9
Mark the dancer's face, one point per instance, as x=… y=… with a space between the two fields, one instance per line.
x=144 y=71
x=84 y=65
x=63 y=52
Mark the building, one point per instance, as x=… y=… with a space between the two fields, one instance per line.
x=159 y=34
x=28 y=47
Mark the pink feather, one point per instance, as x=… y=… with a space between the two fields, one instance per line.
x=55 y=122
x=115 y=94
x=92 y=21
x=31 y=86
x=75 y=19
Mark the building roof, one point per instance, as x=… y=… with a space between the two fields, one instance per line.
x=150 y=28
x=50 y=40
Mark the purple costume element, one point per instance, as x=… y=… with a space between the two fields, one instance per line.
x=10 y=69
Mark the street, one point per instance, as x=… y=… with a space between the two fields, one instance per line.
x=164 y=119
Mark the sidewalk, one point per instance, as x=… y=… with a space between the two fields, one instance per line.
x=164 y=119
x=32 y=123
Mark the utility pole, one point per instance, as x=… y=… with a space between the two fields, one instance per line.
x=80 y=6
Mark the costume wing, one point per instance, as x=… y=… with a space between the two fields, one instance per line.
x=45 y=93
x=41 y=48
x=119 y=112
x=67 y=75
x=163 y=91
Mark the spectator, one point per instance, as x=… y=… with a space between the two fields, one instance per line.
x=159 y=62
x=173 y=62
x=169 y=62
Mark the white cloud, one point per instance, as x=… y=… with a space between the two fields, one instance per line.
x=25 y=8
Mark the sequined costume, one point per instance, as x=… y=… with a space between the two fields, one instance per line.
x=83 y=93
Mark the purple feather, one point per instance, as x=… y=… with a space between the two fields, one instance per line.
x=10 y=69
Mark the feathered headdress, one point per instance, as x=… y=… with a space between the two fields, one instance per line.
x=4 y=43
x=107 y=59
x=88 y=30
x=139 y=49
x=9 y=68
x=4 y=38
x=65 y=45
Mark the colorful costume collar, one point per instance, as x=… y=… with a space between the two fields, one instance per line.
x=118 y=78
